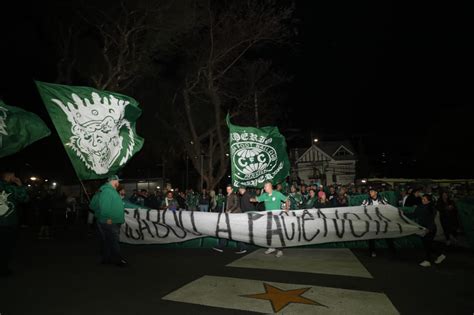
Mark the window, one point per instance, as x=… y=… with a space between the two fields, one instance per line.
x=342 y=152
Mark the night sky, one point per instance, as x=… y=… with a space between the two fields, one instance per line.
x=394 y=77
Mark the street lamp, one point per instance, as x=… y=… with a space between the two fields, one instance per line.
x=315 y=140
x=32 y=178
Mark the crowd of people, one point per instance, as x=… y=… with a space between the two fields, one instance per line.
x=108 y=203
x=426 y=201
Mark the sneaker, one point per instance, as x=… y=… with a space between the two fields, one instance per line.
x=269 y=251
x=218 y=249
x=279 y=254
x=440 y=259
x=243 y=251
x=373 y=255
x=425 y=263
x=122 y=263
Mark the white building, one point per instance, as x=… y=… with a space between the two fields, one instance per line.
x=325 y=162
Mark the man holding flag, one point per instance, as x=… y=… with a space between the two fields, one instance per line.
x=258 y=155
x=110 y=213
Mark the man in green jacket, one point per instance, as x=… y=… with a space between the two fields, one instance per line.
x=12 y=192
x=110 y=213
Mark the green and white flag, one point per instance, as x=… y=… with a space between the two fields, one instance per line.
x=18 y=129
x=97 y=128
x=257 y=155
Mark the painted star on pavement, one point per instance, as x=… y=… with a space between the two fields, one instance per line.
x=281 y=298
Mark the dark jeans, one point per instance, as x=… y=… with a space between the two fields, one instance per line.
x=110 y=248
x=8 y=237
x=390 y=244
x=450 y=225
x=223 y=242
x=428 y=242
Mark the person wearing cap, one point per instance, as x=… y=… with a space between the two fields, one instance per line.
x=272 y=199
x=109 y=210
x=374 y=200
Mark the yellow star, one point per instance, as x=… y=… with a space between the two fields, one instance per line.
x=281 y=298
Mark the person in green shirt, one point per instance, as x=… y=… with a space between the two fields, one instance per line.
x=192 y=200
x=296 y=199
x=312 y=200
x=272 y=199
x=220 y=201
x=110 y=212
x=12 y=193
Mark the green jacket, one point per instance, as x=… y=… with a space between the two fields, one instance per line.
x=10 y=196
x=107 y=204
x=296 y=199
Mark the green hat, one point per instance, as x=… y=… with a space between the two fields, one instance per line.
x=113 y=177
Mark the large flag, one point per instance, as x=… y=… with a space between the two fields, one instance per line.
x=97 y=128
x=257 y=155
x=18 y=129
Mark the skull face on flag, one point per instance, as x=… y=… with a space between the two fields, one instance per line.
x=96 y=127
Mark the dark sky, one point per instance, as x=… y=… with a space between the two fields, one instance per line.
x=395 y=75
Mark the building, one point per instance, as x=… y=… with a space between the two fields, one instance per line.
x=326 y=162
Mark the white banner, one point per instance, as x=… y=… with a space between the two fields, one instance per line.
x=268 y=229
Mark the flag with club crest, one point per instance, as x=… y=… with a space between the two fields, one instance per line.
x=18 y=129
x=257 y=155
x=96 y=127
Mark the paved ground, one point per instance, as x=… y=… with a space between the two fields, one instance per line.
x=62 y=277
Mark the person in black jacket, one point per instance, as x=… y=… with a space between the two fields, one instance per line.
x=232 y=206
x=425 y=216
x=414 y=199
x=448 y=217
x=245 y=203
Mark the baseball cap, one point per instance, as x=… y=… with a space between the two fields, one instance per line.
x=113 y=177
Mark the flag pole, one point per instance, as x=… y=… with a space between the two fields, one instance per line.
x=85 y=190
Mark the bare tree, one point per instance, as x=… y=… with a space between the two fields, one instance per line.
x=113 y=52
x=229 y=32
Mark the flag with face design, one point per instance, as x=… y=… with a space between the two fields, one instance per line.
x=96 y=127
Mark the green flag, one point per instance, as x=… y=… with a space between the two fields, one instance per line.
x=18 y=129
x=257 y=155
x=97 y=128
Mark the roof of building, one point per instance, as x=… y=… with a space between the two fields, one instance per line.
x=332 y=149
